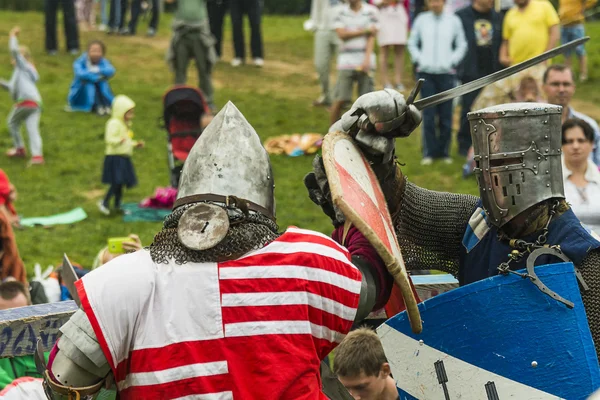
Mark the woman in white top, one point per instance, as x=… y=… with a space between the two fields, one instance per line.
x=580 y=174
x=392 y=36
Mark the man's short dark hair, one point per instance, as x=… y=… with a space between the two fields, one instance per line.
x=360 y=351
x=557 y=68
x=588 y=132
x=11 y=289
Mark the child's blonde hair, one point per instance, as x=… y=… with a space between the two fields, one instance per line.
x=25 y=52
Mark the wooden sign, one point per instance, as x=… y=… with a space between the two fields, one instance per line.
x=21 y=327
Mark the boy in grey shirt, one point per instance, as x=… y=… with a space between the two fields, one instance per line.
x=27 y=108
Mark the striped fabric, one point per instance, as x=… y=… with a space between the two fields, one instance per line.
x=352 y=52
x=477 y=228
x=253 y=328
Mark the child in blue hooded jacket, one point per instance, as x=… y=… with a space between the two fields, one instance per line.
x=90 y=90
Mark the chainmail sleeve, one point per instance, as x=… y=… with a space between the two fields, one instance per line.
x=590 y=271
x=430 y=226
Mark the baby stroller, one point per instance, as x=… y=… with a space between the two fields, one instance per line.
x=183 y=108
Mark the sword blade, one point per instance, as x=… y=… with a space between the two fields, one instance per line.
x=69 y=278
x=496 y=76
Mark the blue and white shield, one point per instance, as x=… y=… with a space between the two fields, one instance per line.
x=500 y=338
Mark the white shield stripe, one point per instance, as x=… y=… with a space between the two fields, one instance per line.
x=255 y=328
x=413 y=366
x=291 y=272
x=288 y=298
x=173 y=374
x=345 y=154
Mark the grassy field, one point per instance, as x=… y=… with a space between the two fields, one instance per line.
x=276 y=100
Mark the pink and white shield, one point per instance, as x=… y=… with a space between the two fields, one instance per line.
x=356 y=192
x=361 y=192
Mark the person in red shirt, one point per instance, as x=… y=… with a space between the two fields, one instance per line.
x=8 y=195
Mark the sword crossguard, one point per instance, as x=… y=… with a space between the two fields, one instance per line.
x=415 y=92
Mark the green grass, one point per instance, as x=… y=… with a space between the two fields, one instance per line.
x=276 y=100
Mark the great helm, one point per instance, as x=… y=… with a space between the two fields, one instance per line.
x=227 y=168
x=517 y=157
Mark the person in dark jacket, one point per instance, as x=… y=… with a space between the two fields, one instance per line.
x=483 y=30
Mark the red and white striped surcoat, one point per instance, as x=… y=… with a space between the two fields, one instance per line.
x=253 y=328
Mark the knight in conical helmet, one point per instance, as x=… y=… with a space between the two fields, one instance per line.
x=221 y=305
x=521 y=207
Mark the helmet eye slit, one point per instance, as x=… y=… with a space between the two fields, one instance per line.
x=501 y=162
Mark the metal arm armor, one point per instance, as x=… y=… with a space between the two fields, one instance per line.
x=79 y=368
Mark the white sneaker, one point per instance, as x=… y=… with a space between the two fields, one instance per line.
x=102 y=208
x=236 y=62
x=107 y=110
x=448 y=160
x=427 y=161
x=102 y=28
x=259 y=62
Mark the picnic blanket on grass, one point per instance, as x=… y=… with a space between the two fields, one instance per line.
x=133 y=212
x=70 y=217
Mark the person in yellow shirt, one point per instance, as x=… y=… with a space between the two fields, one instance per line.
x=530 y=28
x=118 y=168
x=571 y=13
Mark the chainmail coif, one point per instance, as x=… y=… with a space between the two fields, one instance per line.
x=250 y=232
